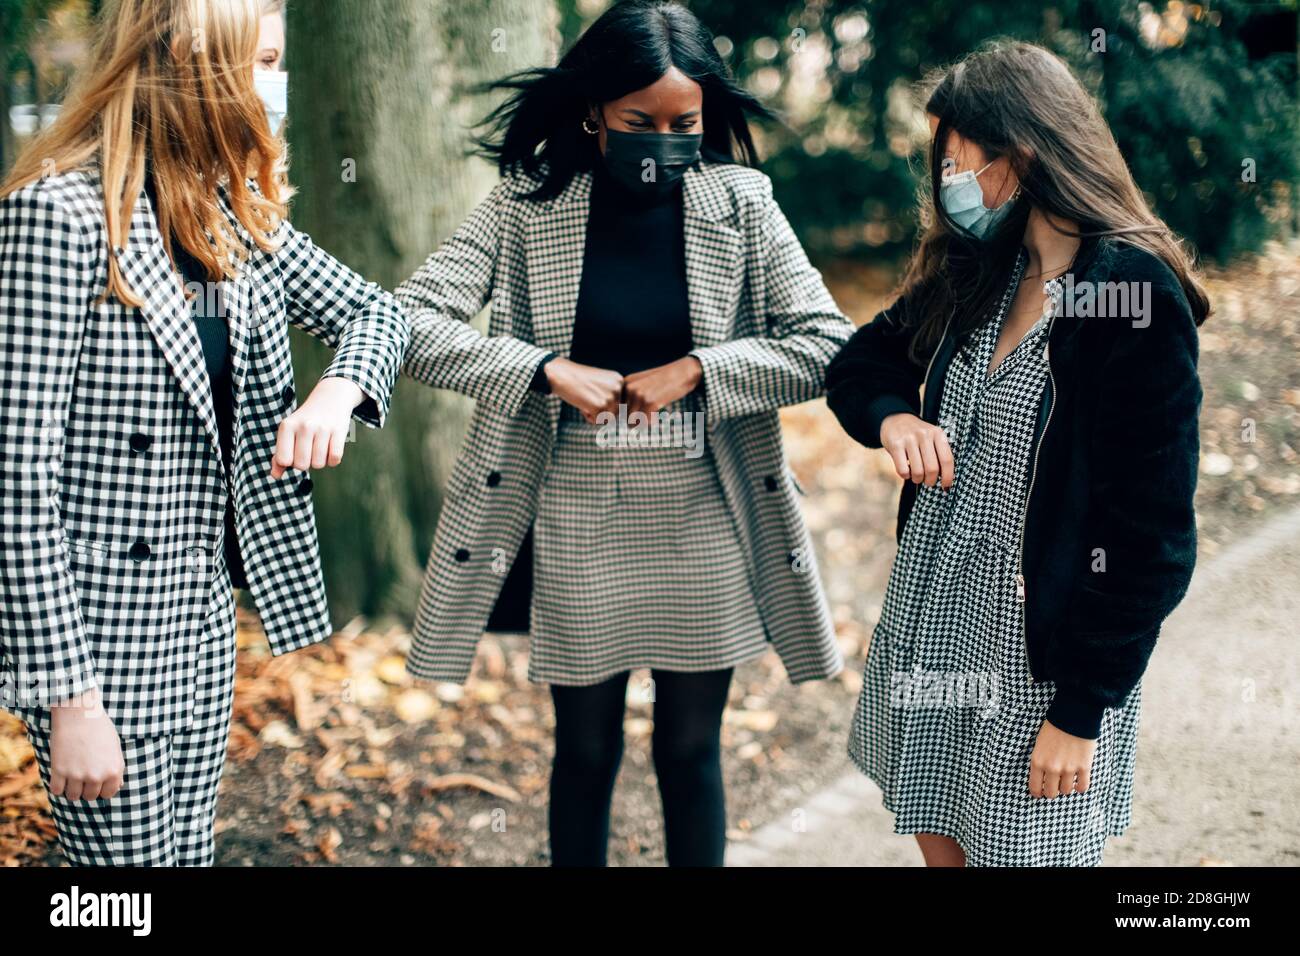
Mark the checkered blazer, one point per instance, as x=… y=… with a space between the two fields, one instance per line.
x=112 y=486
x=764 y=329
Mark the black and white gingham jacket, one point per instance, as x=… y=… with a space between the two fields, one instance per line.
x=112 y=487
x=764 y=329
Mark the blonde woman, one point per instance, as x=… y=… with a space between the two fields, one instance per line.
x=150 y=450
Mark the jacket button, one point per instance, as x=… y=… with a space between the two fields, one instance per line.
x=462 y=555
x=770 y=483
x=494 y=479
x=140 y=551
x=304 y=487
x=140 y=443
x=288 y=395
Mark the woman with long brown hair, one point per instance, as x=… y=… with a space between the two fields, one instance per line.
x=1035 y=384
x=150 y=452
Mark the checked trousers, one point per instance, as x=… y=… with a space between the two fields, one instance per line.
x=165 y=813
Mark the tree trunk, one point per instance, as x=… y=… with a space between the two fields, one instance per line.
x=8 y=148
x=12 y=38
x=380 y=106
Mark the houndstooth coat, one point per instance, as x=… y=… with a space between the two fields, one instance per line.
x=764 y=328
x=112 y=485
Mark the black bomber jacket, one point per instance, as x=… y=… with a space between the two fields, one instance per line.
x=1114 y=468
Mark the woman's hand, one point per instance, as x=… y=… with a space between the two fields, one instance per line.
x=589 y=389
x=85 y=752
x=651 y=390
x=1060 y=764
x=920 y=450
x=314 y=436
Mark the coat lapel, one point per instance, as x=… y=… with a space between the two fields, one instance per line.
x=556 y=241
x=237 y=301
x=150 y=275
x=555 y=244
x=714 y=257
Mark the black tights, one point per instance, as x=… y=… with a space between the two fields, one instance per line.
x=687 y=754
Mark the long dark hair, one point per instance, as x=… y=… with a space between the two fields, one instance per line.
x=1020 y=101
x=538 y=128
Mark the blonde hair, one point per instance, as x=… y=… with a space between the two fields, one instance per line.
x=169 y=84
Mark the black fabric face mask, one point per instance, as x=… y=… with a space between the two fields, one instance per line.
x=650 y=163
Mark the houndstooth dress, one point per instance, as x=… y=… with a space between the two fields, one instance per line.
x=948 y=715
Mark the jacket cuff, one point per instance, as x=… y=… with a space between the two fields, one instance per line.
x=711 y=389
x=881 y=408
x=373 y=410
x=540 y=382
x=1076 y=713
x=33 y=689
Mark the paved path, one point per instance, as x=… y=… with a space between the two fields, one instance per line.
x=1218 y=776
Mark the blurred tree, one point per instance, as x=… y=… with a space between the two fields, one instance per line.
x=381 y=99
x=1192 y=91
x=41 y=46
x=1204 y=108
x=18 y=18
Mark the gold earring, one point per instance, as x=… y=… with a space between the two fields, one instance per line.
x=589 y=126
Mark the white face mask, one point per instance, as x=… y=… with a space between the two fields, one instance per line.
x=273 y=87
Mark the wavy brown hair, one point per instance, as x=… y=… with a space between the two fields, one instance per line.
x=169 y=87
x=1020 y=101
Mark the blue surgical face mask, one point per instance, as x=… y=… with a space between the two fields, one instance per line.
x=273 y=87
x=963 y=201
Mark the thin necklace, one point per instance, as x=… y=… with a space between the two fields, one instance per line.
x=1034 y=275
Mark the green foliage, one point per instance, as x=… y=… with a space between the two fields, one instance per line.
x=1212 y=96
x=1192 y=119
x=1211 y=90
x=17 y=19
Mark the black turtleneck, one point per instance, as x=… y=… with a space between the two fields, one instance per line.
x=207 y=311
x=632 y=311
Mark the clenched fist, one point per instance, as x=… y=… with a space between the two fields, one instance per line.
x=85 y=752
x=315 y=435
x=920 y=450
x=651 y=390
x=1061 y=763
x=589 y=389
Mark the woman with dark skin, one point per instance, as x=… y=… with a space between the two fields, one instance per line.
x=637 y=270
x=671 y=104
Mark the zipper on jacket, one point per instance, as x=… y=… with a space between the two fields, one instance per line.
x=925 y=379
x=1024 y=515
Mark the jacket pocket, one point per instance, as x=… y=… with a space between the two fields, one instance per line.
x=87 y=553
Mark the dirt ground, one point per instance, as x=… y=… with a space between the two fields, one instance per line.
x=338 y=758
